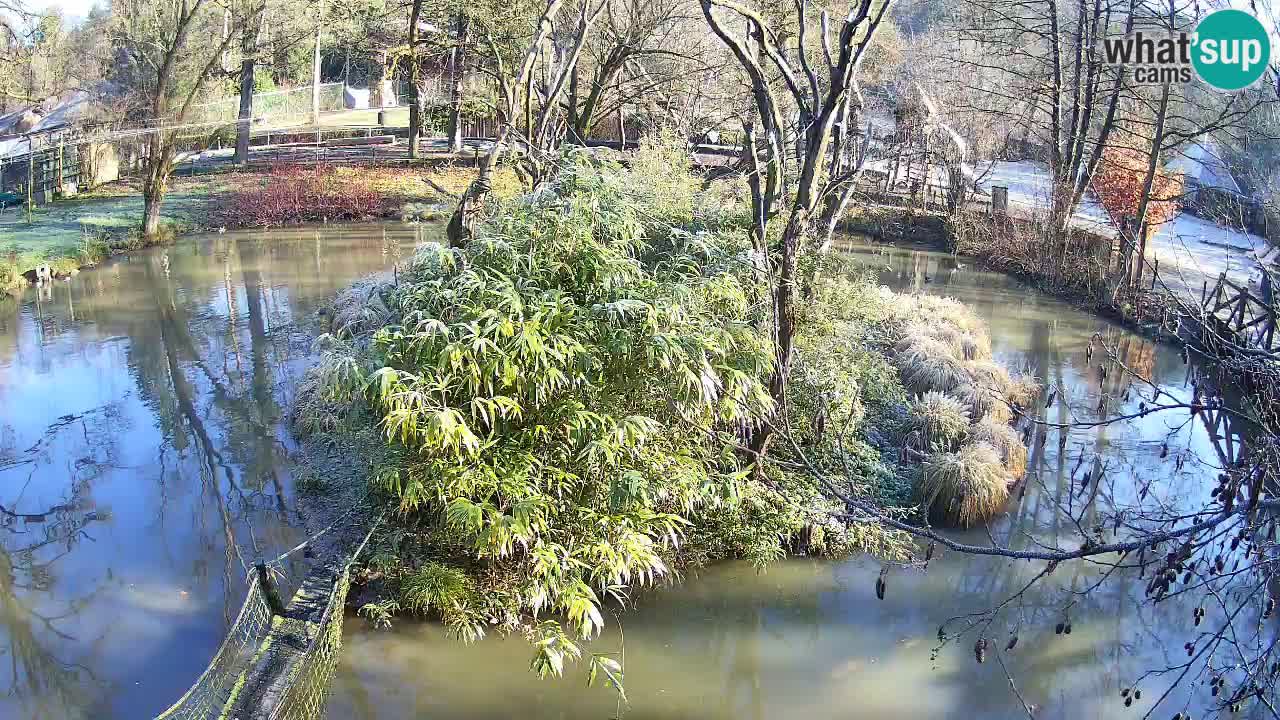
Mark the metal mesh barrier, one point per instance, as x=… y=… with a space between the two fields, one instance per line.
x=307 y=688
x=277 y=105
x=277 y=665
x=215 y=687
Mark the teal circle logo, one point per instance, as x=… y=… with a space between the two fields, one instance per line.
x=1232 y=49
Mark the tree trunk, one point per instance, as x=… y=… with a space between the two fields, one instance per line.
x=462 y=224
x=245 y=123
x=784 y=313
x=1144 y=200
x=415 y=96
x=457 y=74
x=155 y=183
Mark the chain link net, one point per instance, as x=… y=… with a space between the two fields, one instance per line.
x=262 y=670
x=279 y=105
x=210 y=693
x=307 y=688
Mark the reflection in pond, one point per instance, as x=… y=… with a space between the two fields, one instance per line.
x=810 y=639
x=144 y=461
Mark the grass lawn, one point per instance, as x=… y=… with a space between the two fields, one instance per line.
x=68 y=234
x=114 y=209
x=73 y=233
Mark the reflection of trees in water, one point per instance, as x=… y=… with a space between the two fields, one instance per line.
x=40 y=684
x=221 y=458
x=32 y=541
x=212 y=378
x=736 y=620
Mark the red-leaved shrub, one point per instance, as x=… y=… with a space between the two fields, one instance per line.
x=1118 y=185
x=289 y=194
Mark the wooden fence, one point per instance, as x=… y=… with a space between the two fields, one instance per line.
x=38 y=174
x=1248 y=319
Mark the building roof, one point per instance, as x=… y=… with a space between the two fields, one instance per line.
x=48 y=116
x=1201 y=163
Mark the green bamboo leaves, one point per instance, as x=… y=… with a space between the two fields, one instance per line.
x=560 y=393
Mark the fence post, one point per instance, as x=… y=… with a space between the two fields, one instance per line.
x=999 y=200
x=31 y=177
x=269 y=590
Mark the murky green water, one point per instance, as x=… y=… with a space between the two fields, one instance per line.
x=143 y=458
x=809 y=639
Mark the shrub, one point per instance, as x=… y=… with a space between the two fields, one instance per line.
x=1118 y=184
x=289 y=194
x=564 y=401
x=965 y=487
x=449 y=593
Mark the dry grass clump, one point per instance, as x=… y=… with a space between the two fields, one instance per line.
x=988 y=375
x=925 y=371
x=359 y=308
x=965 y=401
x=960 y=343
x=314 y=409
x=937 y=306
x=964 y=344
x=982 y=403
x=941 y=420
x=326 y=394
x=963 y=488
x=1024 y=393
x=1006 y=441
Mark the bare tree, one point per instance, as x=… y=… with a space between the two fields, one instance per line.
x=531 y=120
x=808 y=188
x=639 y=49
x=159 y=50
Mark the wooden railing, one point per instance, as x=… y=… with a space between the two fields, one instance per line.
x=1250 y=319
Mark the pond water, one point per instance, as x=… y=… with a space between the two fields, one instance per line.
x=144 y=462
x=144 y=457
x=809 y=638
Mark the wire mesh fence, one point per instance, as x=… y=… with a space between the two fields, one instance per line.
x=258 y=640
x=215 y=688
x=307 y=687
x=278 y=105
x=278 y=664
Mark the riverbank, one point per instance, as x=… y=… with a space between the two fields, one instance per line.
x=72 y=234
x=1153 y=313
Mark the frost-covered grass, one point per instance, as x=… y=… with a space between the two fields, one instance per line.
x=82 y=231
